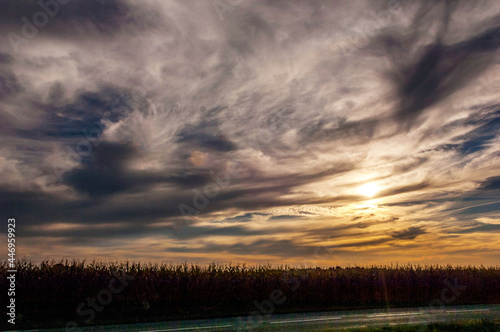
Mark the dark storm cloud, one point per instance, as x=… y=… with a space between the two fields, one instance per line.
x=492 y=183
x=182 y=230
x=5 y=58
x=105 y=175
x=438 y=69
x=131 y=230
x=206 y=141
x=205 y=135
x=244 y=217
x=188 y=180
x=76 y=17
x=285 y=217
x=108 y=175
x=35 y=207
x=264 y=88
x=9 y=84
x=408 y=234
x=81 y=117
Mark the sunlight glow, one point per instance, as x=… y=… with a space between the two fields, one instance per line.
x=369 y=189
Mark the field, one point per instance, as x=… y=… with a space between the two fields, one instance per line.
x=55 y=294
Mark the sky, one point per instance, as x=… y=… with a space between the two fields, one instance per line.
x=308 y=133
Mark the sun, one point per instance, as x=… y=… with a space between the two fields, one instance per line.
x=369 y=189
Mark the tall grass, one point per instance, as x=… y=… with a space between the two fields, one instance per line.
x=49 y=293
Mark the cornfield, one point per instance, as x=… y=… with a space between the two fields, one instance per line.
x=48 y=294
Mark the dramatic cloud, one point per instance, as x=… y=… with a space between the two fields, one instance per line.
x=305 y=132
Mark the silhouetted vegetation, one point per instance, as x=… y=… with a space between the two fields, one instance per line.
x=49 y=293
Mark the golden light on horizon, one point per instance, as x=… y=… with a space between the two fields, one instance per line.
x=369 y=189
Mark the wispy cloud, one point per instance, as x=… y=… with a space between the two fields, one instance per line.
x=262 y=121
